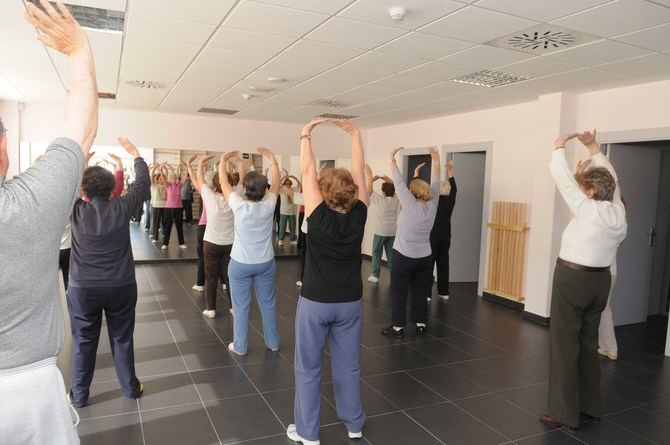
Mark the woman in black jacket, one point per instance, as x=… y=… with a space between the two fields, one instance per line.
x=440 y=236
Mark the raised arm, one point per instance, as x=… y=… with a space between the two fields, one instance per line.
x=192 y=176
x=565 y=180
x=417 y=170
x=310 y=187
x=599 y=159
x=435 y=171
x=370 y=180
x=270 y=156
x=357 y=158
x=140 y=192
x=60 y=31
x=452 y=181
x=4 y=157
x=226 y=186
x=202 y=166
x=404 y=195
x=118 y=175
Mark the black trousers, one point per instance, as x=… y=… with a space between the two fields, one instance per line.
x=577 y=301
x=156 y=220
x=86 y=305
x=217 y=258
x=200 y=274
x=277 y=214
x=415 y=275
x=173 y=216
x=440 y=249
x=188 y=210
x=64 y=265
x=301 y=234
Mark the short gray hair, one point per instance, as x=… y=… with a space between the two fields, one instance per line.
x=600 y=180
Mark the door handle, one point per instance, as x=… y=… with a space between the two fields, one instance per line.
x=651 y=233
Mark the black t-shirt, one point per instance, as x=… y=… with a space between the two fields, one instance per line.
x=445 y=207
x=333 y=258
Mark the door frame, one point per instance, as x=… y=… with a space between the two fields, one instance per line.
x=445 y=153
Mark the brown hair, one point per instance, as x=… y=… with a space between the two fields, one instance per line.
x=420 y=189
x=600 y=180
x=338 y=189
x=388 y=189
x=216 y=182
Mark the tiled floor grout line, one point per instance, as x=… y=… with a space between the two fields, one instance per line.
x=480 y=421
x=423 y=427
x=238 y=364
x=216 y=433
x=629 y=430
x=139 y=413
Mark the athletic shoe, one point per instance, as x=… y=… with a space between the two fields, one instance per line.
x=70 y=398
x=421 y=330
x=224 y=286
x=612 y=355
x=429 y=299
x=355 y=435
x=444 y=297
x=231 y=348
x=182 y=246
x=231 y=312
x=298 y=283
x=373 y=279
x=293 y=243
x=292 y=433
x=154 y=240
x=274 y=349
x=391 y=331
x=140 y=390
x=280 y=243
x=164 y=247
x=208 y=314
x=198 y=288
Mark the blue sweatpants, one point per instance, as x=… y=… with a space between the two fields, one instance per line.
x=340 y=324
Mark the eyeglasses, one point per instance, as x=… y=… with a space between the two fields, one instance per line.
x=3 y=132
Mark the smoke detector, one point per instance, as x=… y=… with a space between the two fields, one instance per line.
x=147 y=84
x=246 y=96
x=397 y=13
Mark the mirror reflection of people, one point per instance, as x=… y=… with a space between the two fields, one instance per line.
x=387 y=207
x=582 y=281
x=440 y=236
x=288 y=209
x=174 y=212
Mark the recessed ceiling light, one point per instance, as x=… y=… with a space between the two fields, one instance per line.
x=96 y=19
x=490 y=78
x=277 y=79
x=148 y=84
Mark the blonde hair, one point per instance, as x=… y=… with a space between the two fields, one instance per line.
x=420 y=189
x=338 y=189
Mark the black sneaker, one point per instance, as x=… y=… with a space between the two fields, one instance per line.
x=392 y=332
x=421 y=330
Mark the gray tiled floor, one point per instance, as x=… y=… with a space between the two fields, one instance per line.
x=478 y=378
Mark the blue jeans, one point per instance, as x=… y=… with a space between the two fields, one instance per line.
x=340 y=324
x=380 y=243
x=242 y=277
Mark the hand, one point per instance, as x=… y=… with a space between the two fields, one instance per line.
x=116 y=161
x=267 y=153
x=387 y=179
x=418 y=168
x=191 y=159
x=588 y=139
x=307 y=129
x=432 y=151
x=129 y=147
x=204 y=161
x=347 y=126
x=88 y=157
x=582 y=166
x=57 y=29
x=393 y=153
x=229 y=155
x=561 y=141
x=376 y=178
x=450 y=169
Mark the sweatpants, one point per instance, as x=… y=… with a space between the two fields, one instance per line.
x=187 y=204
x=176 y=216
x=156 y=220
x=340 y=324
x=441 y=256
x=86 y=305
x=415 y=275
x=64 y=265
x=578 y=298
x=379 y=244
x=217 y=258
x=148 y=212
x=290 y=219
x=200 y=273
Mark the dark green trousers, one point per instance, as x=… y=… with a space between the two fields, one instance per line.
x=578 y=299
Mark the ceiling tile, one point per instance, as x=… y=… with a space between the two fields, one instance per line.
x=618 y=17
x=477 y=25
x=249 y=41
x=438 y=71
x=482 y=56
x=157 y=28
x=311 y=50
x=323 y=7
x=210 y=12
x=425 y=46
x=540 y=10
x=353 y=33
x=319 y=87
x=540 y=67
x=364 y=94
x=403 y=82
x=217 y=71
x=419 y=12
x=184 y=101
x=271 y=19
x=233 y=100
x=383 y=64
x=137 y=47
x=226 y=57
x=166 y=71
x=640 y=66
x=596 y=53
x=655 y=39
x=12 y=12
x=293 y=71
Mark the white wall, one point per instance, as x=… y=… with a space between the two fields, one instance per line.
x=9 y=112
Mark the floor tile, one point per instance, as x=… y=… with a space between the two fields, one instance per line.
x=556 y=437
x=396 y=429
x=282 y=404
x=106 y=399
x=169 y=390
x=207 y=356
x=219 y=383
x=447 y=383
x=642 y=423
x=271 y=375
x=403 y=356
x=403 y=391
x=186 y=424
x=607 y=433
x=487 y=374
x=243 y=418
x=111 y=430
x=373 y=402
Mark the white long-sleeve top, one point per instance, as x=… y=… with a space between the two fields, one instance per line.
x=594 y=234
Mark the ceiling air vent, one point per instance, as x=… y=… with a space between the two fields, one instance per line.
x=94 y=18
x=217 y=111
x=490 y=78
x=106 y=95
x=542 y=39
x=147 y=84
x=330 y=103
x=337 y=116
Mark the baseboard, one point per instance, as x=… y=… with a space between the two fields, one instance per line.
x=503 y=301
x=535 y=318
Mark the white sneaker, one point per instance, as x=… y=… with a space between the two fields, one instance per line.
x=429 y=299
x=373 y=279
x=612 y=355
x=444 y=297
x=294 y=243
x=231 y=312
x=182 y=246
x=209 y=314
x=163 y=247
x=231 y=348
x=355 y=435
x=154 y=240
x=224 y=286
x=280 y=243
x=198 y=288
x=298 y=283
x=292 y=433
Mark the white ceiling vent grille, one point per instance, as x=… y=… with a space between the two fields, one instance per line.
x=331 y=103
x=490 y=78
x=94 y=18
x=337 y=116
x=146 y=84
x=217 y=111
x=542 y=39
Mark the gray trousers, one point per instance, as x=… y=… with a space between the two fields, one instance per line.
x=578 y=299
x=340 y=324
